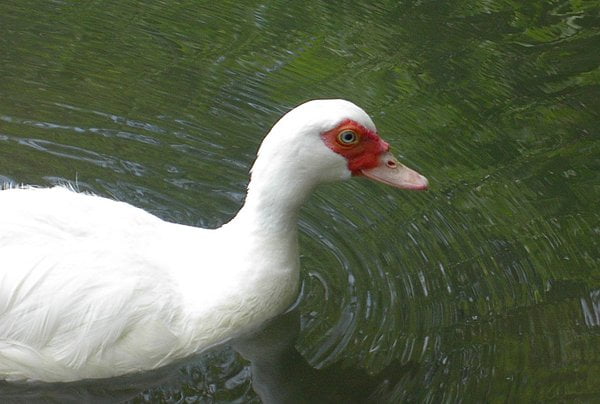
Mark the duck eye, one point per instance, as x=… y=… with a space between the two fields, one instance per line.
x=347 y=137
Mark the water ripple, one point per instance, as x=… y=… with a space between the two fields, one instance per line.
x=485 y=287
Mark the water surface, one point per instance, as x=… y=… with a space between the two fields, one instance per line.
x=484 y=289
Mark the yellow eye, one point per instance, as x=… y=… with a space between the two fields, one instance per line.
x=347 y=137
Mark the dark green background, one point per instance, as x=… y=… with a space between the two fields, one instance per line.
x=484 y=289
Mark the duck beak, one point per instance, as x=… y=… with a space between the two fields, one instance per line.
x=390 y=171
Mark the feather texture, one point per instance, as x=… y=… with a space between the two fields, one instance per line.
x=93 y=288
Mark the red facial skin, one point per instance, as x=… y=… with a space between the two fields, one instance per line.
x=361 y=155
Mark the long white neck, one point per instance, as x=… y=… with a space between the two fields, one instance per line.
x=265 y=232
x=292 y=160
x=275 y=196
x=290 y=164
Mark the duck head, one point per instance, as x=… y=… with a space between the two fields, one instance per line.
x=329 y=140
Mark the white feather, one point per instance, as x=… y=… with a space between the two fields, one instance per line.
x=91 y=287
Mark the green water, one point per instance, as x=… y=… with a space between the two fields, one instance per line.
x=484 y=289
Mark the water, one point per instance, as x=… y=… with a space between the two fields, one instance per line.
x=484 y=289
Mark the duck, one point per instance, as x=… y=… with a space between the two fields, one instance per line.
x=95 y=288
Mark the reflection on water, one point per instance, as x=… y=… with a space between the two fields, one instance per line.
x=483 y=289
x=280 y=374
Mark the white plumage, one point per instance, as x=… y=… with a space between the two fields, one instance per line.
x=92 y=288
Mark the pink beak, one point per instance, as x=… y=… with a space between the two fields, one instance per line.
x=391 y=172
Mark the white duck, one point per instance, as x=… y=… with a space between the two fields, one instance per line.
x=94 y=288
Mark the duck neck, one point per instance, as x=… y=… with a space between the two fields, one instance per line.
x=272 y=207
x=266 y=228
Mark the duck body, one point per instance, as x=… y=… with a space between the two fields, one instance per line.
x=107 y=297
x=95 y=288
